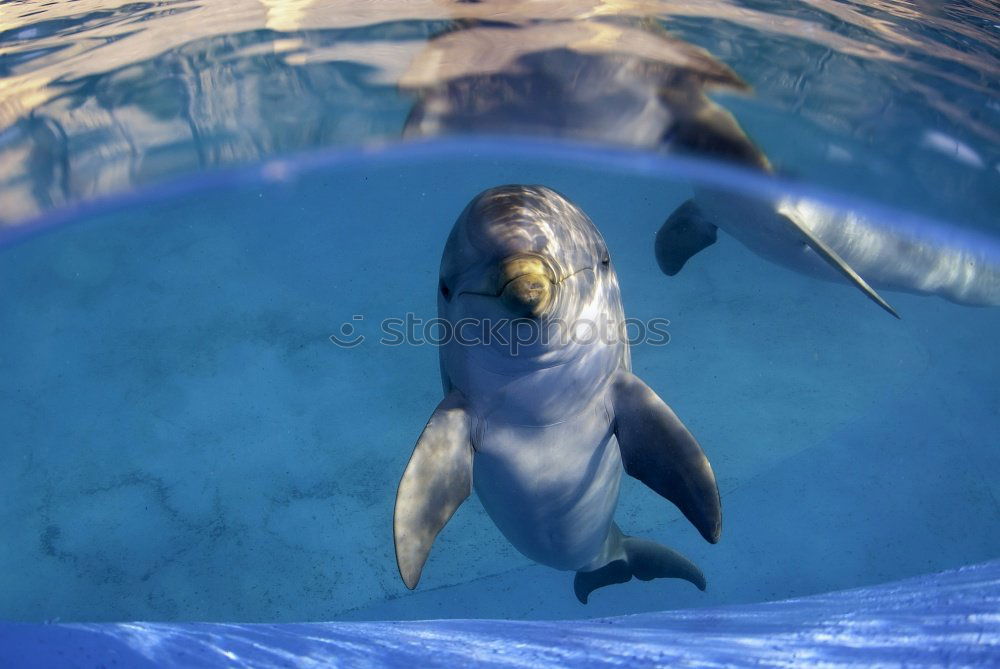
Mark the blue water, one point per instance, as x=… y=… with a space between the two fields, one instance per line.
x=189 y=445
x=191 y=203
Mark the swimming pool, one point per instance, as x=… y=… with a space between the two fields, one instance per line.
x=195 y=201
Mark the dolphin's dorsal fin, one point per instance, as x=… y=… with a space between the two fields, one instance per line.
x=835 y=261
x=437 y=480
x=703 y=129
x=658 y=450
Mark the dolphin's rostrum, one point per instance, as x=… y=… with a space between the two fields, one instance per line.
x=543 y=432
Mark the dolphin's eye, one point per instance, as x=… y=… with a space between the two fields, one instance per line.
x=606 y=260
x=445 y=292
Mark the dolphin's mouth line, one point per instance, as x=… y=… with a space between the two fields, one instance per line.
x=513 y=279
x=572 y=274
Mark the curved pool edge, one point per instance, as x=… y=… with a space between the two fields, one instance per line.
x=618 y=159
x=947 y=619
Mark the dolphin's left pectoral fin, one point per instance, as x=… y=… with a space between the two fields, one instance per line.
x=834 y=260
x=437 y=480
x=658 y=450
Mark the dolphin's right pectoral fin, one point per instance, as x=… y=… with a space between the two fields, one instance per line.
x=437 y=480
x=658 y=450
x=834 y=260
x=684 y=234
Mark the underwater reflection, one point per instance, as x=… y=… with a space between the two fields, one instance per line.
x=98 y=98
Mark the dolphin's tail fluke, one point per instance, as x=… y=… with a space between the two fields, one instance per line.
x=684 y=234
x=643 y=559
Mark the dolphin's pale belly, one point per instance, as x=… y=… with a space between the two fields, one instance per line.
x=552 y=490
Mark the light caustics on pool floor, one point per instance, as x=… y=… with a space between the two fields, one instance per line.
x=948 y=619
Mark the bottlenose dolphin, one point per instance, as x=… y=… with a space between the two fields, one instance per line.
x=626 y=81
x=543 y=431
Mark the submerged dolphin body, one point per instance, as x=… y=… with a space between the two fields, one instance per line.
x=543 y=429
x=923 y=260
x=627 y=81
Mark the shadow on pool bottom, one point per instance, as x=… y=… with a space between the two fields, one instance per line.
x=947 y=619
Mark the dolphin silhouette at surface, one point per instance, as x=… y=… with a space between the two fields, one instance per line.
x=542 y=429
x=626 y=81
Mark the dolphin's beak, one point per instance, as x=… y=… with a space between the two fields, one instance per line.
x=526 y=285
